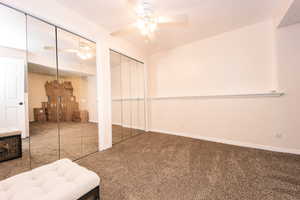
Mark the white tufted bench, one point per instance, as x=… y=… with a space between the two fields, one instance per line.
x=61 y=180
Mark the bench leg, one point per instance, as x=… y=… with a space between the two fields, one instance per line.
x=93 y=194
x=97 y=197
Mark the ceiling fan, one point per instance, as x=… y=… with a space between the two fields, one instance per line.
x=147 y=19
x=84 y=51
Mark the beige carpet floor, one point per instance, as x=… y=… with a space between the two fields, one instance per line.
x=120 y=133
x=155 y=166
x=162 y=167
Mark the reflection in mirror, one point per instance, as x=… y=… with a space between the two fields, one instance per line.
x=128 y=102
x=48 y=103
x=14 y=141
x=140 y=84
x=116 y=91
x=43 y=102
x=126 y=97
x=134 y=98
x=78 y=109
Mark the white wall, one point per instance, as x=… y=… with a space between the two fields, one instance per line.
x=92 y=106
x=240 y=61
x=234 y=62
x=288 y=48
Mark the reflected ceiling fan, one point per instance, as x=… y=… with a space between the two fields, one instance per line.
x=84 y=51
x=148 y=21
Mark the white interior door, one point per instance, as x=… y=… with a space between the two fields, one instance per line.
x=12 y=107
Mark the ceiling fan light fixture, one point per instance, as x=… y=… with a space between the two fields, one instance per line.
x=148 y=21
x=84 y=55
x=147 y=26
x=152 y=27
x=85 y=51
x=141 y=24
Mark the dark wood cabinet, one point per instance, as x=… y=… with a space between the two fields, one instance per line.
x=10 y=145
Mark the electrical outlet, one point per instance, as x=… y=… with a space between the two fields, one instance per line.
x=278 y=135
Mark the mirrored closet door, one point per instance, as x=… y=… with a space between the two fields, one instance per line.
x=63 y=94
x=78 y=125
x=43 y=103
x=48 y=93
x=14 y=136
x=138 y=98
x=116 y=92
x=128 y=97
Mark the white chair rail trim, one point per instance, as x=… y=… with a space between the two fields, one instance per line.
x=241 y=95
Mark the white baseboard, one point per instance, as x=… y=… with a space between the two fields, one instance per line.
x=128 y=126
x=91 y=121
x=117 y=124
x=232 y=142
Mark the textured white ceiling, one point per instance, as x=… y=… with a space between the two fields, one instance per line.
x=206 y=18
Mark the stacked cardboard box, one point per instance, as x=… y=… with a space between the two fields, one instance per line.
x=39 y=115
x=81 y=116
x=61 y=105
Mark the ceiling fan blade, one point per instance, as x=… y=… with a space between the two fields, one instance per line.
x=124 y=30
x=177 y=19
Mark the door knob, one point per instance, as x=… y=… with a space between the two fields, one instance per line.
x=21 y=103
